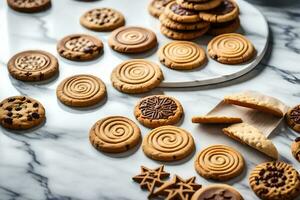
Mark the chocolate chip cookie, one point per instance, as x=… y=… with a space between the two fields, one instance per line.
x=293 y=118
x=20 y=112
x=296 y=148
x=29 y=6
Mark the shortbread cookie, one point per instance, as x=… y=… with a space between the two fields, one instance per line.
x=251 y=136
x=231 y=48
x=178 y=189
x=20 y=112
x=167 y=22
x=29 y=6
x=296 y=148
x=217 y=192
x=81 y=90
x=80 y=47
x=219 y=162
x=157 y=7
x=226 y=27
x=132 y=39
x=33 y=65
x=115 y=134
x=179 y=14
x=213 y=119
x=182 y=35
x=182 y=55
x=199 y=5
x=293 y=118
x=275 y=181
x=102 y=19
x=258 y=101
x=136 y=76
x=228 y=10
x=158 y=110
x=168 y=143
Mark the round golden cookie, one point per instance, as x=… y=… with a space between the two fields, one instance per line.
x=80 y=47
x=20 y=113
x=217 y=192
x=295 y=147
x=184 y=34
x=33 y=65
x=168 y=143
x=228 y=10
x=219 y=162
x=158 y=110
x=115 y=134
x=293 y=118
x=231 y=48
x=157 y=7
x=132 y=39
x=226 y=27
x=182 y=55
x=179 y=14
x=136 y=76
x=81 y=90
x=167 y=22
x=29 y=6
x=102 y=19
x=199 y=5
x=275 y=181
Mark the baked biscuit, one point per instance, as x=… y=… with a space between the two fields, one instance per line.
x=199 y=5
x=293 y=118
x=225 y=27
x=29 y=6
x=212 y=119
x=157 y=7
x=182 y=34
x=296 y=149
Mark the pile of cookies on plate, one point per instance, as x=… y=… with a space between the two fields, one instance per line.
x=165 y=141
x=190 y=19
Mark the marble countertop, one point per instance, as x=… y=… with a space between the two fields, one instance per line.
x=57 y=162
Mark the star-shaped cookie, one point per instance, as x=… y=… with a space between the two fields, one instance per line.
x=151 y=178
x=178 y=189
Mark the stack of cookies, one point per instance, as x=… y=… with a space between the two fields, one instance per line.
x=190 y=19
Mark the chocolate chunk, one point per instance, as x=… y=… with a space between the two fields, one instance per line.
x=9 y=114
x=11 y=99
x=8 y=121
x=297 y=139
x=29 y=118
x=35 y=105
x=9 y=108
x=35 y=115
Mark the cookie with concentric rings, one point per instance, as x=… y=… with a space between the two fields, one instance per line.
x=219 y=162
x=21 y=112
x=102 y=19
x=29 y=6
x=132 y=39
x=275 y=181
x=33 y=65
x=182 y=55
x=199 y=5
x=80 y=47
x=115 y=134
x=168 y=143
x=158 y=110
x=81 y=90
x=231 y=48
x=136 y=76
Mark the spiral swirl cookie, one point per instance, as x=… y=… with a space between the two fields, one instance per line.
x=168 y=143
x=80 y=47
x=275 y=181
x=33 y=66
x=219 y=162
x=81 y=90
x=136 y=76
x=158 y=110
x=293 y=118
x=230 y=48
x=20 y=112
x=132 y=40
x=29 y=6
x=102 y=19
x=182 y=55
x=115 y=134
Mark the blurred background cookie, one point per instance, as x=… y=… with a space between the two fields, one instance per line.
x=156 y=7
x=29 y=6
x=296 y=148
x=293 y=118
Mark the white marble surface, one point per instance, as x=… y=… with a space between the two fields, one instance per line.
x=57 y=162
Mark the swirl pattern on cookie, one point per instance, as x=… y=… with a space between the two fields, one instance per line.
x=168 y=143
x=182 y=55
x=219 y=162
x=81 y=90
x=132 y=39
x=231 y=48
x=135 y=76
x=115 y=134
